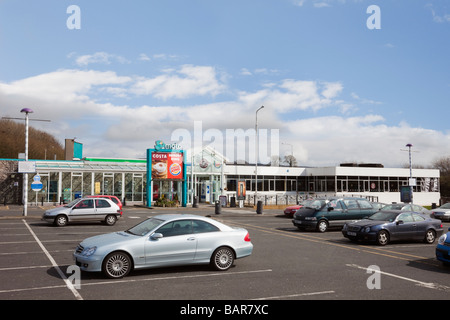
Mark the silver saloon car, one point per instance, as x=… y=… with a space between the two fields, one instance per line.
x=164 y=240
x=84 y=209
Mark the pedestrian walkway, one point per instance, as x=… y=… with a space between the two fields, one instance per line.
x=36 y=212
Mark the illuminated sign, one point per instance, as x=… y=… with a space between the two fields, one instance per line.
x=167 y=165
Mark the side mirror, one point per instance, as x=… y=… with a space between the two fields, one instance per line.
x=399 y=222
x=330 y=209
x=156 y=236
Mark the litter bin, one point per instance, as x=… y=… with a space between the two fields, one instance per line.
x=259 y=207
x=233 y=202
x=218 y=207
x=195 y=202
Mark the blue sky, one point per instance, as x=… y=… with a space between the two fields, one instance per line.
x=137 y=71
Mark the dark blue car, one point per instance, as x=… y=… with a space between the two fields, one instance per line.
x=443 y=249
x=385 y=226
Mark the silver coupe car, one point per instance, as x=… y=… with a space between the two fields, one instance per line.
x=164 y=240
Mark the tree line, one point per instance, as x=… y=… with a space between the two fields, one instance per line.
x=41 y=145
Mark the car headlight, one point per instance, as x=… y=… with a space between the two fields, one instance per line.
x=367 y=229
x=89 y=251
x=442 y=239
x=311 y=218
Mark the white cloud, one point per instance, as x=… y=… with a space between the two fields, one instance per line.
x=186 y=82
x=294 y=95
x=100 y=58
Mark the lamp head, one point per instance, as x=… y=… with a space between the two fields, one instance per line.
x=26 y=110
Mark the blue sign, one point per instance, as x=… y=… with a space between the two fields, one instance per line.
x=36 y=185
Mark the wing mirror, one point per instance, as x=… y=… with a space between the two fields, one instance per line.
x=156 y=236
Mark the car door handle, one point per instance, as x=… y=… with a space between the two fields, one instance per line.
x=191 y=239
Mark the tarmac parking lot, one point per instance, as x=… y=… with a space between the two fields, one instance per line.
x=287 y=264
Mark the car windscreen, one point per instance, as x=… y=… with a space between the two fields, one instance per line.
x=445 y=206
x=144 y=227
x=315 y=204
x=71 y=204
x=384 y=216
x=395 y=206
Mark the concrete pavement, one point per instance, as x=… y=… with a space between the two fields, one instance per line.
x=36 y=212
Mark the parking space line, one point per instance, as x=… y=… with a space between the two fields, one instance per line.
x=429 y=285
x=177 y=277
x=128 y=280
x=69 y=284
x=21 y=268
x=295 y=295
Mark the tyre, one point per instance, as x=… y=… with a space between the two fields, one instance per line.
x=117 y=265
x=61 y=220
x=383 y=238
x=222 y=259
x=322 y=226
x=110 y=220
x=430 y=236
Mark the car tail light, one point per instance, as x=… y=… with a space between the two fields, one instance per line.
x=247 y=237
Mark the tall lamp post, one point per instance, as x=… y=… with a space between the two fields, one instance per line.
x=25 y=175
x=409 y=145
x=257 y=154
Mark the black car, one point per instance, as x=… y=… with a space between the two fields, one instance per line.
x=322 y=214
x=385 y=226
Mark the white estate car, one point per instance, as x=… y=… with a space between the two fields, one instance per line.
x=84 y=209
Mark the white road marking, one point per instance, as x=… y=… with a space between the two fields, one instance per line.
x=429 y=285
x=69 y=284
x=295 y=295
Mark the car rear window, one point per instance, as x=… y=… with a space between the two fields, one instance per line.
x=102 y=203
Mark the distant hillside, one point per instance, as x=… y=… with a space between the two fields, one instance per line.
x=41 y=145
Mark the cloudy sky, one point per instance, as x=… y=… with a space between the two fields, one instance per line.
x=339 y=80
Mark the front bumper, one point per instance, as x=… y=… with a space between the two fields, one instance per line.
x=305 y=224
x=442 y=217
x=443 y=253
x=48 y=218
x=357 y=235
x=89 y=264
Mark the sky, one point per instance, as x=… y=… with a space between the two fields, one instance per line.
x=340 y=80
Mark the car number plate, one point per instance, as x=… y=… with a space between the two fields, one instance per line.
x=350 y=233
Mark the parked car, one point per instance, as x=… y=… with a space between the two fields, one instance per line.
x=84 y=209
x=378 y=205
x=164 y=240
x=442 y=212
x=321 y=214
x=385 y=226
x=113 y=198
x=289 y=211
x=406 y=207
x=443 y=249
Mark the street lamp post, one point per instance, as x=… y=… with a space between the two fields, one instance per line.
x=409 y=145
x=257 y=154
x=25 y=175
